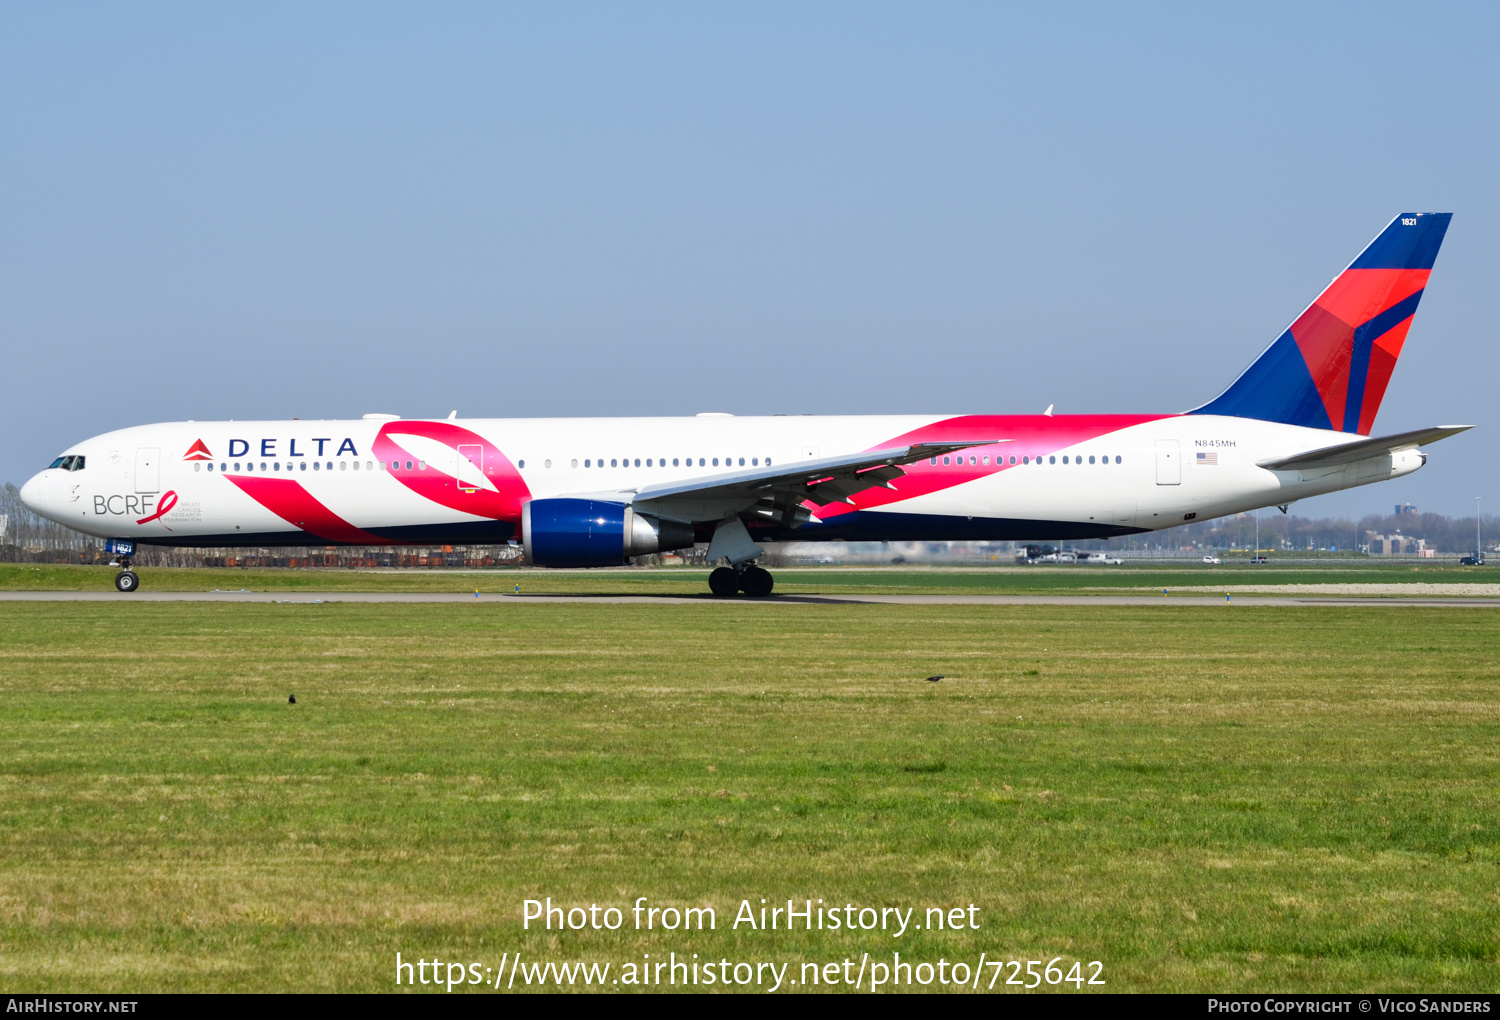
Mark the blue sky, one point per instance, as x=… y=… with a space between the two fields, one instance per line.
x=265 y=211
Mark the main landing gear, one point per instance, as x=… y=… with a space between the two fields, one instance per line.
x=748 y=578
x=126 y=580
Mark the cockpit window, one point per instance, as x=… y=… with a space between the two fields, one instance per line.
x=68 y=463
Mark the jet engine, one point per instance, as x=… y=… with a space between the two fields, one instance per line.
x=594 y=533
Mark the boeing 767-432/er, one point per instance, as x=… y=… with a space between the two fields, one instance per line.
x=590 y=492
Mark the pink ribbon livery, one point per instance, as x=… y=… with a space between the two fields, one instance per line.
x=168 y=501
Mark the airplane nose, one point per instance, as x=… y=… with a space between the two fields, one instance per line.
x=32 y=497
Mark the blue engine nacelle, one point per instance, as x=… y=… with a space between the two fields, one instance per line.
x=594 y=533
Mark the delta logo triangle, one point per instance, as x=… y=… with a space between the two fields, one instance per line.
x=198 y=452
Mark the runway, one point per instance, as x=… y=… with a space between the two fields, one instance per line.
x=328 y=598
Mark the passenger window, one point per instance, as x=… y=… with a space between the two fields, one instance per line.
x=276 y=466
x=236 y=466
x=1117 y=460
x=197 y=467
x=304 y=465
x=519 y=464
x=742 y=462
x=716 y=462
x=986 y=461
x=945 y=460
x=575 y=462
x=674 y=461
x=586 y=462
x=547 y=463
x=1012 y=459
x=1065 y=458
x=614 y=462
x=638 y=462
x=768 y=462
x=933 y=462
x=754 y=461
x=422 y=465
x=1051 y=460
x=210 y=467
x=701 y=464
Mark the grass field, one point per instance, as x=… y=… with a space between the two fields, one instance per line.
x=789 y=580
x=1256 y=799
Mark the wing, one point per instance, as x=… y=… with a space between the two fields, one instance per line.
x=778 y=492
x=1347 y=453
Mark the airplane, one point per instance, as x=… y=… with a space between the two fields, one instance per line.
x=594 y=492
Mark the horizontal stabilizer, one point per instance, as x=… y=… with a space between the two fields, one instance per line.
x=1348 y=453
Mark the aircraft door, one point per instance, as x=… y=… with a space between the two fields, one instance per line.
x=470 y=467
x=1168 y=462
x=148 y=470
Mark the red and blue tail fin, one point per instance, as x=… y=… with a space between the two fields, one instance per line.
x=1329 y=370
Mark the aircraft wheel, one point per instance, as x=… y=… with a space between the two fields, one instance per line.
x=756 y=582
x=126 y=580
x=723 y=582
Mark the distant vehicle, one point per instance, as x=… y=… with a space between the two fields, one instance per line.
x=1213 y=560
x=898 y=559
x=1067 y=557
x=1101 y=558
x=1259 y=559
x=1037 y=554
x=1471 y=561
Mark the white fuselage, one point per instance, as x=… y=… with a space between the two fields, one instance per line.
x=285 y=482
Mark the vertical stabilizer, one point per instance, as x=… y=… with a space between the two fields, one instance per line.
x=1329 y=370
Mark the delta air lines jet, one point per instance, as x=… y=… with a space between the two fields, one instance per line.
x=585 y=492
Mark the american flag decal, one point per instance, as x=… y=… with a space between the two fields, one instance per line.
x=1208 y=458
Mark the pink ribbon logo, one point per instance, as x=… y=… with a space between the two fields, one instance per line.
x=168 y=501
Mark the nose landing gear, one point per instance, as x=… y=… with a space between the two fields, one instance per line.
x=126 y=579
x=748 y=578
